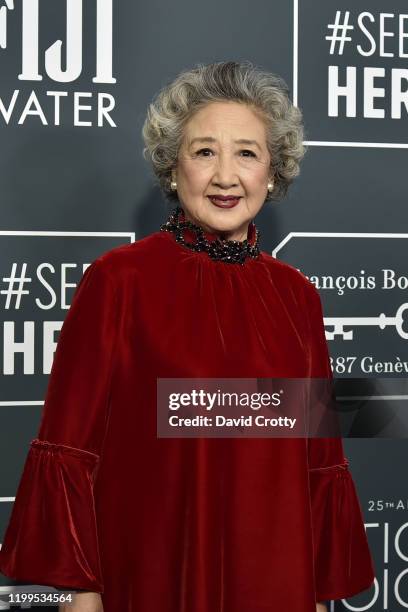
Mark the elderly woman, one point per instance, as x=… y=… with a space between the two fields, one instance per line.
x=144 y=523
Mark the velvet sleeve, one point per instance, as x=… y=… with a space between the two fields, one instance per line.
x=342 y=558
x=52 y=534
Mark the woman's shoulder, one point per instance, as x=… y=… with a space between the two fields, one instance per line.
x=285 y=272
x=294 y=285
x=142 y=253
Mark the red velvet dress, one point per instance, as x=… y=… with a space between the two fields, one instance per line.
x=173 y=524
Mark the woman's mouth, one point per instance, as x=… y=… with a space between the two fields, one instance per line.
x=224 y=202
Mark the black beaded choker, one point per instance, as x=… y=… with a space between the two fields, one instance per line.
x=229 y=251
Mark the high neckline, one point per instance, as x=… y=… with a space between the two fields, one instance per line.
x=197 y=238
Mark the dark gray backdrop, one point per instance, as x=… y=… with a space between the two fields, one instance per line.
x=348 y=205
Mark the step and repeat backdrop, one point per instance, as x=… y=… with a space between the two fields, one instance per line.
x=75 y=81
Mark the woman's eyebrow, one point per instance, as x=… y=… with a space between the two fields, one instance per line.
x=248 y=142
x=211 y=139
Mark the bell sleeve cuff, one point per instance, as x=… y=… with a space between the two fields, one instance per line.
x=342 y=559
x=52 y=535
x=52 y=538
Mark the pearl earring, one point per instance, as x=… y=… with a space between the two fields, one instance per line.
x=270 y=186
x=173 y=185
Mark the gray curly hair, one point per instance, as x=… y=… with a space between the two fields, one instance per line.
x=192 y=89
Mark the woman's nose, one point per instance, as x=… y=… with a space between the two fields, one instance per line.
x=225 y=173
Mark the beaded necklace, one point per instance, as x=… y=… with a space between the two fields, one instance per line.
x=229 y=251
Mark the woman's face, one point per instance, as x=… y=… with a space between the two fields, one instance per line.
x=213 y=161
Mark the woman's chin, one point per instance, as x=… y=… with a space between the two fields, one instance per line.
x=223 y=225
x=219 y=220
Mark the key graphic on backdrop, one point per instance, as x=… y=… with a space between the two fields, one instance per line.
x=382 y=321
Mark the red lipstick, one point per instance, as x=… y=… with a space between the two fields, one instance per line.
x=224 y=201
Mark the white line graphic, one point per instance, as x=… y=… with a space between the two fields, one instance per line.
x=9 y=6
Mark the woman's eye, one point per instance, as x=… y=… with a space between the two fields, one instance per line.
x=206 y=150
x=201 y=150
